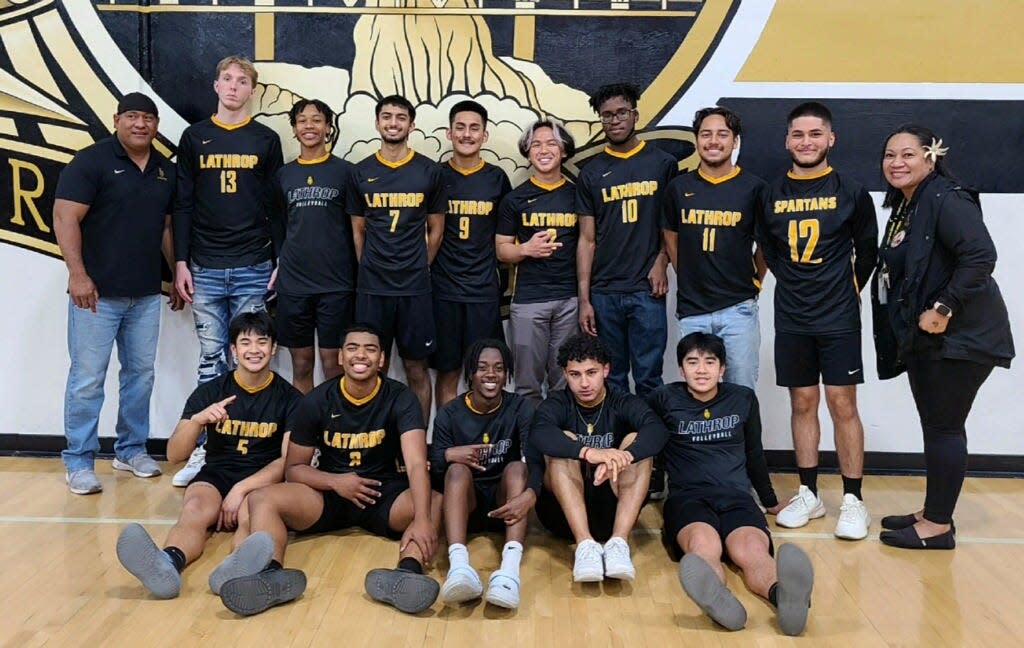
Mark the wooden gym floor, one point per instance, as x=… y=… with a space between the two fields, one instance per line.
x=61 y=584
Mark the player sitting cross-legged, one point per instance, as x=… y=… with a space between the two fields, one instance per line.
x=363 y=424
x=244 y=413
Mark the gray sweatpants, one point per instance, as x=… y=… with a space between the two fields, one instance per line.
x=536 y=331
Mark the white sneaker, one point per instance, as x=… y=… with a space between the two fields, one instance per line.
x=184 y=477
x=853 y=519
x=617 y=563
x=804 y=506
x=588 y=566
x=463 y=584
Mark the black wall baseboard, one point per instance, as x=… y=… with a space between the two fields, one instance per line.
x=875 y=463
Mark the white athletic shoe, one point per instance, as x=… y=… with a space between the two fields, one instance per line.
x=588 y=566
x=184 y=477
x=503 y=590
x=463 y=584
x=804 y=506
x=853 y=519
x=617 y=563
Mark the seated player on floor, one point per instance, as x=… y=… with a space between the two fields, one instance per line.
x=477 y=459
x=363 y=424
x=244 y=415
x=713 y=455
x=597 y=443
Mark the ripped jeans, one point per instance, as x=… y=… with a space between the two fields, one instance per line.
x=220 y=295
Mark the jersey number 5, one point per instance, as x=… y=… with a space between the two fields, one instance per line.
x=243 y=446
x=809 y=229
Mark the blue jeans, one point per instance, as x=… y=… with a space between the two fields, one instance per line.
x=220 y=295
x=740 y=329
x=634 y=329
x=134 y=324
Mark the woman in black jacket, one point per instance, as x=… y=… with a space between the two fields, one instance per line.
x=938 y=315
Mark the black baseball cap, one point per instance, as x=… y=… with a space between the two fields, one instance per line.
x=137 y=101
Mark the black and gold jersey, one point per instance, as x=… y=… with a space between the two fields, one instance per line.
x=623 y=192
x=317 y=255
x=251 y=437
x=506 y=430
x=537 y=207
x=714 y=219
x=465 y=269
x=361 y=436
x=395 y=198
x=224 y=199
x=713 y=444
x=820 y=239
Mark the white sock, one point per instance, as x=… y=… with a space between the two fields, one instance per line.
x=457 y=555
x=511 y=555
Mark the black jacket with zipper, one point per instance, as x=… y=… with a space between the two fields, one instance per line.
x=950 y=260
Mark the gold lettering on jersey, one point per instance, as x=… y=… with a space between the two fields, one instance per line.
x=470 y=207
x=254 y=429
x=549 y=219
x=393 y=199
x=228 y=161
x=711 y=217
x=629 y=190
x=818 y=203
x=353 y=440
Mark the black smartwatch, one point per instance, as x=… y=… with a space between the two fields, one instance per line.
x=943 y=310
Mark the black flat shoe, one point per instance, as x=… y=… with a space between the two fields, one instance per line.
x=897 y=522
x=907 y=538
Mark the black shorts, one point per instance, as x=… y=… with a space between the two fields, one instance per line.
x=221 y=478
x=486 y=492
x=600 y=502
x=327 y=313
x=801 y=359
x=408 y=320
x=339 y=513
x=459 y=325
x=725 y=510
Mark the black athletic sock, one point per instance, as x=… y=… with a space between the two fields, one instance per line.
x=410 y=565
x=274 y=566
x=809 y=478
x=773 y=594
x=851 y=485
x=177 y=557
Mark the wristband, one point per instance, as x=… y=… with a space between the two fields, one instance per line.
x=585 y=451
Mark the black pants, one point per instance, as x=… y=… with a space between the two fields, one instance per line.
x=944 y=391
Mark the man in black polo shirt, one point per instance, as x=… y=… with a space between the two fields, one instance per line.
x=222 y=212
x=714 y=455
x=620 y=263
x=112 y=218
x=465 y=273
x=708 y=226
x=397 y=203
x=820 y=239
x=537 y=231
x=598 y=442
x=316 y=274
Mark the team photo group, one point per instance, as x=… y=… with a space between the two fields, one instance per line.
x=567 y=416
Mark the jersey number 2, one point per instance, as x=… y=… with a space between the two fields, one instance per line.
x=355 y=458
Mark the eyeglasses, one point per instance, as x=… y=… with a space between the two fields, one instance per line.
x=621 y=115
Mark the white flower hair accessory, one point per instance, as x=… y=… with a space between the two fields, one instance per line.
x=935 y=150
